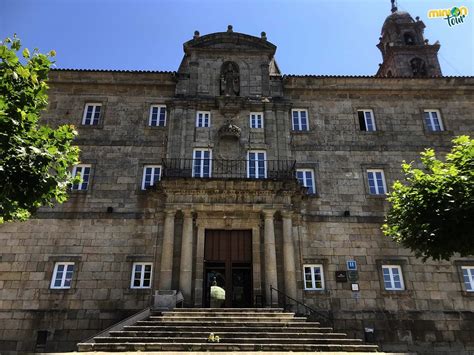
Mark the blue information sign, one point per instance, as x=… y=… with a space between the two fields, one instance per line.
x=351 y=265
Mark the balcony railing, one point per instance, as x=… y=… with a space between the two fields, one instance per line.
x=229 y=169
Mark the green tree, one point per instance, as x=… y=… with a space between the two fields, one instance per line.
x=34 y=159
x=433 y=215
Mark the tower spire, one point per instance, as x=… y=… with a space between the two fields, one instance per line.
x=394 y=6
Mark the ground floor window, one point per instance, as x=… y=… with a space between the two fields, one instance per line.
x=392 y=277
x=313 y=277
x=62 y=275
x=141 y=275
x=468 y=277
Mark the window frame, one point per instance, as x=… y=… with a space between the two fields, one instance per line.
x=142 y=275
x=84 y=118
x=372 y=117
x=313 y=280
x=265 y=164
x=384 y=183
x=158 y=118
x=203 y=119
x=431 y=120
x=201 y=169
x=299 y=126
x=74 y=173
x=303 y=183
x=258 y=118
x=392 y=281
x=470 y=272
x=152 y=181
x=62 y=286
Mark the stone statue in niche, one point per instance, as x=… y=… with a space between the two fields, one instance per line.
x=230 y=79
x=418 y=67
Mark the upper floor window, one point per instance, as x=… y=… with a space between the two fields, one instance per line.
x=313 y=277
x=151 y=175
x=392 y=277
x=257 y=164
x=91 y=114
x=62 y=275
x=202 y=163
x=306 y=178
x=256 y=120
x=300 y=120
x=433 y=120
x=203 y=119
x=468 y=277
x=83 y=171
x=376 y=182
x=141 y=275
x=157 y=116
x=366 y=120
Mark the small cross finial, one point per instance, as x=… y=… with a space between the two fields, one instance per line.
x=394 y=5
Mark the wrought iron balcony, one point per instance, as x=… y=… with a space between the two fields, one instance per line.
x=229 y=169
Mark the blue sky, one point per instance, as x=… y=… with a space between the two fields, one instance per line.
x=312 y=36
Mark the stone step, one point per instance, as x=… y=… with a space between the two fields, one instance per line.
x=226 y=340
x=227 y=322
x=233 y=319
x=207 y=310
x=211 y=328
x=224 y=347
x=226 y=334
x=224 y=314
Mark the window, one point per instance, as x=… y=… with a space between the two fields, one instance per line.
x=84 y=172
x=366 y=120
x=313 y=277
x=257 y=164
x=151 y=175
x=433 y=120
x=306 y=178
x=392 y=277
x=376 y=182
x=468 y=277
x=202 y=163
x=141 y=275
x=300 y=120
x=256 y=120
x=91 y=114
x=62 y=275
x=203 y=119
x=157 y=116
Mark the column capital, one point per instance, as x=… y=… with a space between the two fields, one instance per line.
x=170 y=212
x=286 y=214
x=187 y=212
x=268 y=214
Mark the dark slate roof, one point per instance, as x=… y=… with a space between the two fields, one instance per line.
x=114 y=70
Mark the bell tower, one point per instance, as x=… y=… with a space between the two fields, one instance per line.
x=405 y=51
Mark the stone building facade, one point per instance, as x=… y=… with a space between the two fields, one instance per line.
x=229 y=173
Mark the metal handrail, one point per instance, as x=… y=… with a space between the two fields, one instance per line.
x=312 y=311
x=228 y=169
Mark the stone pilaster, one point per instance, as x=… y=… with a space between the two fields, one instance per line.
x=166 y=269
x=289 y=266
x=270 y=256
x=186 y=265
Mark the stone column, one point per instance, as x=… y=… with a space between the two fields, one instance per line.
x=270 y=257
x=166 y=269
x=289 y=265
x=186 y=265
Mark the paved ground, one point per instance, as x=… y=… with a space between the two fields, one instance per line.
x=222 y=353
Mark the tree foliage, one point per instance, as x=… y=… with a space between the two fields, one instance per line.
x=34 y=159
x=433 y=214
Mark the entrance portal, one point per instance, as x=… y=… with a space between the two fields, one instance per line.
x=228 y=268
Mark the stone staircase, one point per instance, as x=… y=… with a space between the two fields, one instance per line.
x=243 y=329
